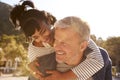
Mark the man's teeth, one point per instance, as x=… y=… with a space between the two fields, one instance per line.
x=60 y=53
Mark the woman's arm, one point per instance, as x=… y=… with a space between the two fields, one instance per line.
x=35 y=51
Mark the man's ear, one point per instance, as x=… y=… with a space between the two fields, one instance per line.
x=84 y=45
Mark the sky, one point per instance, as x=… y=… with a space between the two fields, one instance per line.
x=103 y=16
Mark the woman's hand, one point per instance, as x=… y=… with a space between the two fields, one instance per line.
x=33 y=69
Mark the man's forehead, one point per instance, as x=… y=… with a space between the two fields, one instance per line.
x=65 y=35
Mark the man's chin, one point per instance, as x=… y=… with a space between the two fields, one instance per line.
x=59 y=61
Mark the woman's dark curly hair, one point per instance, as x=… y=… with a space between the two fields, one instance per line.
x=30 y=19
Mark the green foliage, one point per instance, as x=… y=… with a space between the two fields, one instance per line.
x=113 y=46
x=15 y=46
x=1 y=53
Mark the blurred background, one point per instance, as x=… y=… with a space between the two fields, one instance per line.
x=103 y=20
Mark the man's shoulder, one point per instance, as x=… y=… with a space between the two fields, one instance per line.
x=105 y=55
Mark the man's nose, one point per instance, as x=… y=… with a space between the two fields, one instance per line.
x=57 y=46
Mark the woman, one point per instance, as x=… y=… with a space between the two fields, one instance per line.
x=37 y=26
x=34 y=21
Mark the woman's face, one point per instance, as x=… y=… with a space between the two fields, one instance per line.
x=41 y=37
x=45 y=35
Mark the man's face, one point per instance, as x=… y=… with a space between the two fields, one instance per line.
x=67 y=46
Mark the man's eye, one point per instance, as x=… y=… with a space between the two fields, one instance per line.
x=63 y=43
x=55 y=41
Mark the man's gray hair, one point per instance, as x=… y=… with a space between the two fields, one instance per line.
x=80 y=26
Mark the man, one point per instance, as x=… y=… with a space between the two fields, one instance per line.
x=71 y=41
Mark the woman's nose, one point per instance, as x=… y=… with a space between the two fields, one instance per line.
x=38 y=40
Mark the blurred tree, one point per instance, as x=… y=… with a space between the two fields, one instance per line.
x=93 y=37
x=15 y=46
x=100 y=42
x=112 y=45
